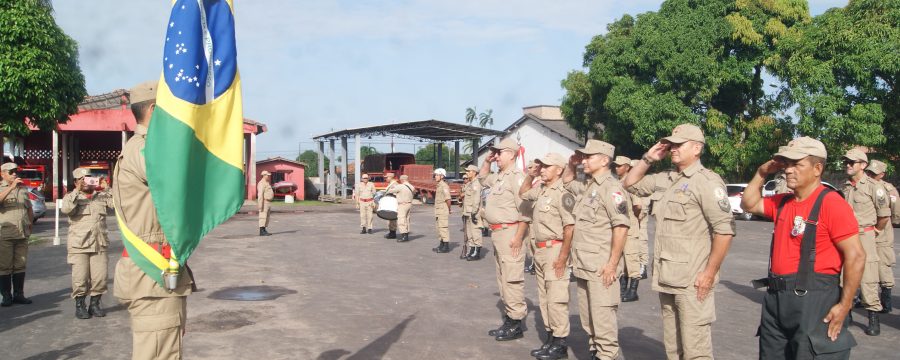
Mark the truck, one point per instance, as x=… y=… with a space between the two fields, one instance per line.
x=98 y=169
x=422 y=178
x=376 y=165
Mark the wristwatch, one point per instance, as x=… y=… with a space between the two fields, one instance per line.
x=647 y=160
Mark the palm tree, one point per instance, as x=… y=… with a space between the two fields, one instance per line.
x=485 y=119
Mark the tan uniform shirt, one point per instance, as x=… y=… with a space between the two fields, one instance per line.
x=553 y=207
x=14 y=220
x=693 y=206
x=441 y=195
x=404 y=192
x=364 y=191
x=264 y=192
x=135 y=207
x=869 y=200
x=895 y=202
x=602 y=204
x=503 y=205
x=87 y=221
x=472 y=198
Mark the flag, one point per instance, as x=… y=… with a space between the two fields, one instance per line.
x=194 y=145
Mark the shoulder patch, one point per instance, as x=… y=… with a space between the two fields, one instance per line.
x=619 y=200
x=722 y=199
x=720 y=193
x=568 y=201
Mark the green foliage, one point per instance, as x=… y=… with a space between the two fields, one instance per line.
x=311 y=159
x=39 y=74
x=426 y=155
x=485 y=119
x=366 y=151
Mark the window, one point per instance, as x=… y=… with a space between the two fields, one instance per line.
x=277 y=177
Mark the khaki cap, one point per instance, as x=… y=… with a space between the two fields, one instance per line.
x=80 y=173
x=621 y=160
x=684 y=133
x=856 y=155
x=389 y=174
x=440 y=171
x=877 y=167
x=9 y=166
x=802 y=147
x=472 y=168
x=264 y=173
x=552 y=159
x=143 y=92
x=508 y=144
x=404 y=177
x=598 y=147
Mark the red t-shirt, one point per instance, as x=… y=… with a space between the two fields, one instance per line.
x=836 y=223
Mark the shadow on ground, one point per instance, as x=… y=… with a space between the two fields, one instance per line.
x=376 y=349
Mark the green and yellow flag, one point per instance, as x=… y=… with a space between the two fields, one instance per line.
x=194 y=142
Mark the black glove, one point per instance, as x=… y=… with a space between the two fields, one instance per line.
x=475 y=220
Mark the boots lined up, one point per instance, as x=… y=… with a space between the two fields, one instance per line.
x=12 y=289
x=874 y=328
x=81 y=310
x=558 y=349
x=623 y=285
x=392 y=234
x=84 y=311
x=631 y=294
x=403 y=237
x=886 y=302
x=544 y=346
x=95 y=309
x=474 y=253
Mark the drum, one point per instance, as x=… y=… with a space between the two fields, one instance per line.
x=387 y=207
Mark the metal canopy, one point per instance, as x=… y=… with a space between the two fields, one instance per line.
x=434 y=130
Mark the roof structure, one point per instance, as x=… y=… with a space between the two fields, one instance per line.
x=434 y=130
x=279 y=158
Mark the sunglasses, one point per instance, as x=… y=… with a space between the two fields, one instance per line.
x=851 y=162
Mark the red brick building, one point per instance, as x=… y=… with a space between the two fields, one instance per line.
x=283 y=170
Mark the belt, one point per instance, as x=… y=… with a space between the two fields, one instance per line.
x=867 y=229
x=165 y=252
x=789 y=282
x=503 y=226
x=548 y=243
x=366 y=200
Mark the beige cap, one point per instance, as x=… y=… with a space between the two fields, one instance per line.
x=440 y=171
x=472 y=168
x=365 y=176
x=877 y=167
x=552 y=159
x=389 y=174
x=802 y=147
x=684 y=133
x=621 y=160
x=264 y=173
x=508 y=144
x=80 y=173
x=9 y=166
x=598 y=147
x=856 y=155
x=143 y=92
x=404 y=177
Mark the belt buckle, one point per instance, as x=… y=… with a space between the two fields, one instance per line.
x=800 y=292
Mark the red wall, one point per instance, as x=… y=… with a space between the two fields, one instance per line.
x=293 y=173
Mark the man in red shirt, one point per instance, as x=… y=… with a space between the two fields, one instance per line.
x=804 y=313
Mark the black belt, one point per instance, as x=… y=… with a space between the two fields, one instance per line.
x=792 y=282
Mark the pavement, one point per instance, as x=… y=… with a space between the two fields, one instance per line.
x=325 y=292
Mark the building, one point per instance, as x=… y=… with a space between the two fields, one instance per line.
x=283 y=170
x=540 y=130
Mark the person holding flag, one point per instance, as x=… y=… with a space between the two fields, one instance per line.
x=181 y=174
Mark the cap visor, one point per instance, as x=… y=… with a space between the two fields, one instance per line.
x=674 y=139
x=792 y=155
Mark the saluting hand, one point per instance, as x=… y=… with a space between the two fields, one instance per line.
x=658 y=151
x=770 y=167
x=608 y=275
x=703 y=284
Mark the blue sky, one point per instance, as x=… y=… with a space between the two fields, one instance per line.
x=309 y=67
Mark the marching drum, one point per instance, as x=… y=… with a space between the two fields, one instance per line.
x=387 y=207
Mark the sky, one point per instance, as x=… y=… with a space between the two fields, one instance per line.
x=309 y=67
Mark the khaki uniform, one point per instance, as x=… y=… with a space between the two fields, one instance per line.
x=884 y=241
x=693 y=207
x=265 y=194
x=404 y=193
x=87 y=241
x=15 y=228
x=472 y=209
x=602 y=204
x=392 y=224
x=365 y=193
x=502 y=212
x=552 y=213
x=869 y=201
x=442 y=211
x=632 y=251
x=157 y=315
x=643 y=233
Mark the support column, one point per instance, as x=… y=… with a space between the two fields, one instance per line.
x=251 y=164
x=456 y=159
x=344 y=169
x=64 y=174
x=320 y=155
x=55 y=165
x=357 y=162
x=440 y=152
x=331 y=166
x=475 y=152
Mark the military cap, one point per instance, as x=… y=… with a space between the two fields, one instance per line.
x=622 y=160
x=856 y=155
x=877 y=167
x=802 y=147
x=472 y=168
x=143 y=92
x=389 y=174
x=80 y=173
x=684 y=133
x=552 y=159
x=598 y=147
x=264 y=173
x=404 y=177
x=440 y=171
x=508 y=144
x=9 y=166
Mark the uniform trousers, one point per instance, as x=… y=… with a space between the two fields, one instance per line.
x=472 y=231
x=598 y=306
x=643 y=236
x=687 y=325
x=632 y=255
x=884 y=244
x=510 y=272
x=366 y=213
x=13 y=254
x=791 y=326
x=89 y=273
x=403 y=210
x=869 y=287
x=264 y=213
x=157 y=325
x=442 y=224
x=553 y=291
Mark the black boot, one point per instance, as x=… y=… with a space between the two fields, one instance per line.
x=545 y=346
x=643 y=272
x=506 y=322
x=886 y=302
x=470 y=255
x=263 y=232
x=6 y=290
x=631 y=294
x=95 y=308
x=81 y=311
x=363 y=230
x=403 y=237
x=511 y=332
x=623 y=286
x=18 y=281
x=369 y=230
x=443 y=247
x=857 y=301
x=874 y=328
x=392 y=234
x=476 y=254
x=558 y=350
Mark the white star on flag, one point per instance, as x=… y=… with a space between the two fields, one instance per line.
x=172 y=24
x=218 y=62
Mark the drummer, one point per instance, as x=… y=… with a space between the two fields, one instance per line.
x=404 y=192
x=392 y=224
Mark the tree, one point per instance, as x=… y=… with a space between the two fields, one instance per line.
x=842 y=71
x=698 y=62
x=485 y=119
x=311 y=159
x=366 y=151
x=40 y=78
x=426 y=155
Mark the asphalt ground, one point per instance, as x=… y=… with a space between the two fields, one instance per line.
x=335 y=294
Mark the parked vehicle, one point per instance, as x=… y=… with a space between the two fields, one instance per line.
x=736 y=193
x=422 y=178
x=376 y=165
x=98 y=169
x=37 y=203
x=35 y=176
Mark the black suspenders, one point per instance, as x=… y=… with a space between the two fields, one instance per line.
x=806 y=268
